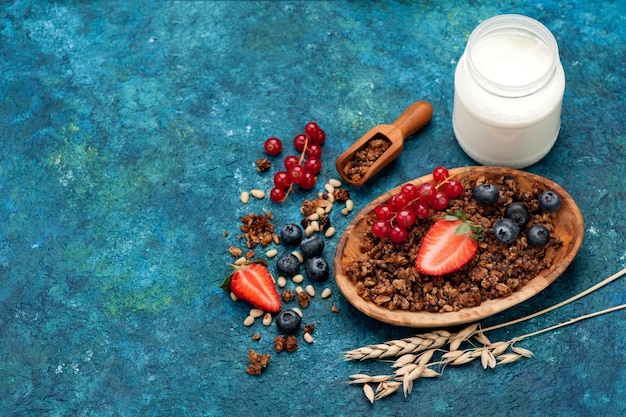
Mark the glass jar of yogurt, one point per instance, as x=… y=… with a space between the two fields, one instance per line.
x=508 y=92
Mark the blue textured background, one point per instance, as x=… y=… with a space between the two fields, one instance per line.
x=128 y=130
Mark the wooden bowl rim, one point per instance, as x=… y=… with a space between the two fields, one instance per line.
x=488 y=308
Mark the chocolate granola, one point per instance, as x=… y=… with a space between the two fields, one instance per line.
x=365 y=157
x=384 y=272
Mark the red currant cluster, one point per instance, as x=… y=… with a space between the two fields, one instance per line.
x=301 y=171
x=402 y=210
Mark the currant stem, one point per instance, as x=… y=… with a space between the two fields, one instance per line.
x=306 y=145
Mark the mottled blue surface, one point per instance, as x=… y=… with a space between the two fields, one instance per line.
x=128 y=130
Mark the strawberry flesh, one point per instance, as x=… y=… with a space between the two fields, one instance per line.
x=253 y=283
x=443 y=251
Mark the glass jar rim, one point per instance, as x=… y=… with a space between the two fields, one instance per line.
x=521 y=26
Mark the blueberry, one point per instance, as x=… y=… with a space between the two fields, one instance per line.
x=317 y=268
x=549 y=201
x=312 y=246
x=506 y=230
x=518 y=212
x=486 y=194
x=288 y=264
x=288 y=321
x=291 y=235
x=538 y=236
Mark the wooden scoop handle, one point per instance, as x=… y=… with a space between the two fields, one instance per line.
x=416 y=116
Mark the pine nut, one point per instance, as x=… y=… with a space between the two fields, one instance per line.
x=308 y=338
x=282 y=281
x=330 y=232
x=276 y=239
x=316 y=225
x=345 y=211
x=328 y=208
x=298 y=278
x=326 y=293
x=271 y=253
x=329 y=188
x=267 y=319
x=320 y=211
x=233 y=296
x=256 y=312
x=334 y=182
x=310 y=290
x=257 y=194
x=331 y=198
x=244 y=197
x=248 y=321
x=309 y=230
x=350 y=205
x=298 y=311
x=299 y=289
x=314 y=216
x=241 y=260
x=298 y=255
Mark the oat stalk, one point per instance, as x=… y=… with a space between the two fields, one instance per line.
x=414 y=355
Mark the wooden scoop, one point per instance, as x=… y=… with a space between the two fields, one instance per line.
x=416 y=116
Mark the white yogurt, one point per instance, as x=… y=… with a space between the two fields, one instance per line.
x=508 y=92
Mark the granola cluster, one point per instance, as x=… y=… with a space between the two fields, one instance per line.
x=384 y=272
x=258 y=229
x=258 y=362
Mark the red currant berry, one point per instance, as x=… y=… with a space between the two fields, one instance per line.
x=282 y=180
x=421 y=209
x=381 y=228
x=308 y=181
x=273 y=146
x=296 y=173
x=291 y=161
x=439 y=201
x=319 y=138
x=398 y=201
x=426 y=190
x=410 y=190
x=311 y=129
x=405 y=218
x=300 y=141
x=398 y=234
x=383 y=212
x=313 y=165
x=314 y=151
x=440 y=174
x=453 y=188
x=277 y=195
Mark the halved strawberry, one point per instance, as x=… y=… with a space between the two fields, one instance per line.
x=448 y=246
x=252 y=282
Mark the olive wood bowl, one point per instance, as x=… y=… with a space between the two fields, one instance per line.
x=568 y=223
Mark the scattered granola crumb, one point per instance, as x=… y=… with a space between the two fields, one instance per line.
x=309 y=328
x=258 y=362
x=303 y=299
x=250 y=254
x=263 y=165
x=256 y=337
x=279 y=343
x=288 y=295
x=341 y=194
x=292 y=344
x=334 y=309
x=235 y=251
x=225 y=234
